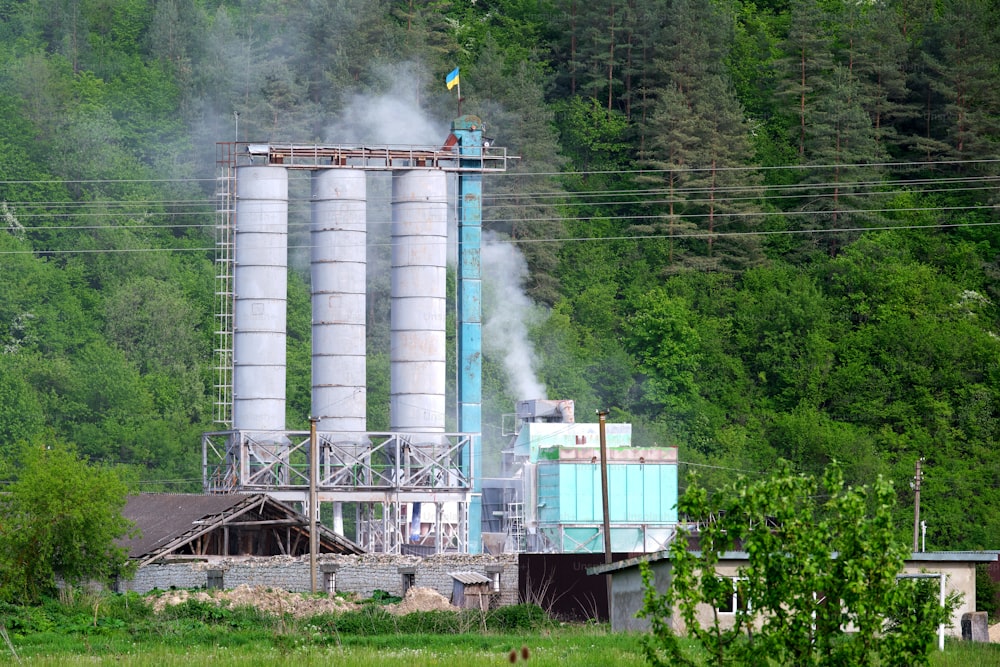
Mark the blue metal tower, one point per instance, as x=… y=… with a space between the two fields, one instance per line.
x=469 y=132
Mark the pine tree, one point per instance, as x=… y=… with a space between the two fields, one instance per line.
x=874 y=51
x=698 y=135
x=839 y=143
x=511 y=96
x=807 y=60
x=960 y=87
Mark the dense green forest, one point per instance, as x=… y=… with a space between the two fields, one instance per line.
x=753 y=230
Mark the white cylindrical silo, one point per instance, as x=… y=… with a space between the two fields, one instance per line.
x=338 y=300
x=417 y=328
x=259 y=308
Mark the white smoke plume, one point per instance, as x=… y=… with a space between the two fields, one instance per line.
x=394 y=117
x=508 y=313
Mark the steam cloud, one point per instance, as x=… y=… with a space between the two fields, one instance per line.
x=510 y=311
x=394 y=117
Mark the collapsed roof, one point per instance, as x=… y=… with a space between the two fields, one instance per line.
x=173 y=525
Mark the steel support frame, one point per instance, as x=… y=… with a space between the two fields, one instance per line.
x=391 y=470
x=556 y=539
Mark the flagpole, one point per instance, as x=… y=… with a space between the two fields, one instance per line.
x=460 y=97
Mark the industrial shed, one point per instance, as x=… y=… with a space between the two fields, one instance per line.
x=185 y=526
x=627 y=590
x=472 y=590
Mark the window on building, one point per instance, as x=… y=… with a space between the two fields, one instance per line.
x=409 y=576
x=493 y=572
x=737 y=600
x=215 y=579
x=330 y=583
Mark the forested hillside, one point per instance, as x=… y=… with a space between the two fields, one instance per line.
x=752 y=230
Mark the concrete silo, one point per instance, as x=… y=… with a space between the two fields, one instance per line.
x=338 y=276
x=260 y=300
x=418 y=301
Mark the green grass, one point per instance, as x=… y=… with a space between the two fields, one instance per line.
x=124 y=630
x=558 y=647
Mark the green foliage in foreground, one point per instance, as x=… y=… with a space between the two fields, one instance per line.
x=59 y=520
x=822 y=557
x=124 y=629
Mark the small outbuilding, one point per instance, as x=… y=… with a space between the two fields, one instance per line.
x=471 y=590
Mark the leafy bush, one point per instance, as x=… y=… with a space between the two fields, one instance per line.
x=987 y=592
x=517 y=617
x=21 y=621
x=199 y=610
x=367 y=621
x=382 y=597
x=915 y=615
x=431 y=622
x=822 y=556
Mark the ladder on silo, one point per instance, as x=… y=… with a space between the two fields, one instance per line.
x=225 y=195
x=515 y=527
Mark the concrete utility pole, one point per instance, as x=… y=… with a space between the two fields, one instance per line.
x=916 y=505
x=602 y=420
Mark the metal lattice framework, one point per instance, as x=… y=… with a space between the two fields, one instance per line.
x=588 y=537
x=379 y=476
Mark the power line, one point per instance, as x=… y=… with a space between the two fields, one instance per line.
x=639 y=237
x=518 y=174
x=721 y=201
x=106 y=180
x=780 y=167
x=581 y=193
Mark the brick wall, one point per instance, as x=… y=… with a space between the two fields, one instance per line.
x=355 y=574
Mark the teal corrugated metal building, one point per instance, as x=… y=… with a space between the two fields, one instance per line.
x=557 y=471
x=642 y=488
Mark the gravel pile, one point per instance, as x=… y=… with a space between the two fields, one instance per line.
x=269 y=600
x=421 y=599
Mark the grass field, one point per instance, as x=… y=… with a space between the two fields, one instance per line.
x=124 y=630
x=562 y=647
x=558 y=646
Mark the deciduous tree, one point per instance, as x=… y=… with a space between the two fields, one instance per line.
x=822 y=557
x=59 y=522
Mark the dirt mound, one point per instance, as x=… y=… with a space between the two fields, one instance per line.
x=268 y=600
x=419 y=598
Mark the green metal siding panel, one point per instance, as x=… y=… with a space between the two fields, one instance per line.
x=638 y=493
x=580 y=493
x=635 y=493
x=548 y=494
x=670 y=494
x=585 y=539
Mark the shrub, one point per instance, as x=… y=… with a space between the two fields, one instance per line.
x=367 y=621
x=517 y=617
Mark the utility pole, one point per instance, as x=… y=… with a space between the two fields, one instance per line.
x=313 y=472
x=602 y=420
x=916 y=505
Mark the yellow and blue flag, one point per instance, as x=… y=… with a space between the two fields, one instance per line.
x=452 y=79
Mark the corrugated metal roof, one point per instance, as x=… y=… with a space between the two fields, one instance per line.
x=167 y=521
x=470 y=577
x=916 y=556
x=161 y=517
